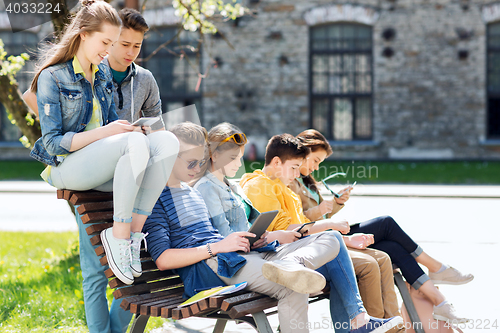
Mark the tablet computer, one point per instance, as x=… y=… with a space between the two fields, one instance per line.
x=260 y=225
x=145 y=121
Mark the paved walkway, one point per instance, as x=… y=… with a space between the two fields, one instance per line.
x=461 y=230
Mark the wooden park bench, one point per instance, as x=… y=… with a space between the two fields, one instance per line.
x=158 y=293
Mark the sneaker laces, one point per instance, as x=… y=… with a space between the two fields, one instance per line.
x=126 y=248
x=137 y=243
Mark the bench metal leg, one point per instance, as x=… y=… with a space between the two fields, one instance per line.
x=139 y=324
x=220 y=325
x=408 y=302
x=262 y=322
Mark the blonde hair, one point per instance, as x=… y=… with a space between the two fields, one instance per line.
x=217 y=134
x=190 y=133
x=90 y=19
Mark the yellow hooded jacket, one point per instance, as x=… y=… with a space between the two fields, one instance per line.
x=267 y=194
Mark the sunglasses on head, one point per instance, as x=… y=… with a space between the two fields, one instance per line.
x=192 y=164
x=238 y=138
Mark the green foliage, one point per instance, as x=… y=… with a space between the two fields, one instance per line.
x=199 y=15
x=12 y=65
x=39 y=278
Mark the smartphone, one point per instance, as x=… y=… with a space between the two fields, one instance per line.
x=305 y=228
x=145 y=121
x=349 y=187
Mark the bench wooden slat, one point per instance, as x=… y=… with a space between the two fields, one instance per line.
x=60 y=194
x=78 y=197
x=145 y=277
x=95 y=229
x=244 y=309
x=179 y=313
x=167 y=310
x=229 y=302
x=135 y=307
x=146 y=288
x=125 y=304
x=203 y=304
x=156 y=309
x=195 y=309
x=95 y=207
x=145 y=305
x=216 y=301
x=96 y=240
x=172 y=302
x=97 y=217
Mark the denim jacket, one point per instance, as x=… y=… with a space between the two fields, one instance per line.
x=65 y=107
x=226 y=210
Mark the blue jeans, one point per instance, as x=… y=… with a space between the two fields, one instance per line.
x=390 y=238
x=100 y=319
x=345 y=300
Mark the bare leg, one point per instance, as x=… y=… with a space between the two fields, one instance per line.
x=432 y=264
x=432 y=293
x=138 y=221
x=121 y=230
x=360 y=320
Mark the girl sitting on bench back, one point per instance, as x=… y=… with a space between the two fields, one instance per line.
x=85 y=145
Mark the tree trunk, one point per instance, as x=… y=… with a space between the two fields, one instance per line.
x=12 y=100
x=59 y=20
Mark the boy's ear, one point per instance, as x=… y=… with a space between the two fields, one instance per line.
x=276 y=162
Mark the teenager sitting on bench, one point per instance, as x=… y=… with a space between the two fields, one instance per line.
x=231 y=211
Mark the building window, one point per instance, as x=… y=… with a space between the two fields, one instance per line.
x=15 y=44
x=341 y=78
x=176 y=77
x=493 y=81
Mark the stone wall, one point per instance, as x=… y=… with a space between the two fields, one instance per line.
x=428 y=103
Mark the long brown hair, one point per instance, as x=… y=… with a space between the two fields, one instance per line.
x=315 y=141
x=216 y=135
x=90 y=19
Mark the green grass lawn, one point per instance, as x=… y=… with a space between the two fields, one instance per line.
x=41 y=283
x=20 y=170
x=376 y=172
x=366 y=172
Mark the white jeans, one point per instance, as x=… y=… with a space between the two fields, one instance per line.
x=313 y=251
x=134 y=166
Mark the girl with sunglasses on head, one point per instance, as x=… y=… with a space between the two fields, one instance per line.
x=85 y=145
x=382 y=233
x=231 y=211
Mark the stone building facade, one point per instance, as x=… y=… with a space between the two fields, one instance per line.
x=382 y=79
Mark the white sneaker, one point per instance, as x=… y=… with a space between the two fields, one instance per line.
x=135 y=265
x=294 y=276
x=446 y=312
x=451 y=276
x=118 y=253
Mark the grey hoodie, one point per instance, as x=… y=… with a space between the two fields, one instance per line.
x=145 y=97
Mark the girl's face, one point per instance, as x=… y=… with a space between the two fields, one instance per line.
x=228 y=160
x=96 y=45
x=312 y=162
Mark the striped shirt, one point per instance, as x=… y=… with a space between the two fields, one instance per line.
x=179 y=219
